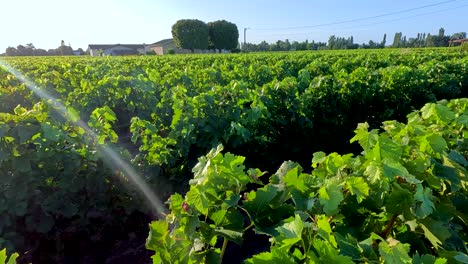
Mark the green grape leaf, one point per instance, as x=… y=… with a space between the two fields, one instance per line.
x=275 y=256
x=199 y=200
x=233 y=220
x=231 y=235
x=431 y=237
x=290 y=233
x=424 y=195
x=293 y=179
x=366 y=139
x=3 y=256
x=433 y=143
x=428 y=259
x=394 y=252
x=263 y=208
x=200 y=171
x=462 y=257
x=157 y=235
x=392 y=169
x=11 y=259
x=218 y=216
x=357 y=186
x=462 y=120
x=212 y=256
x=318 y=158
x=232 y=199
x=348 y=245
x=444 y=113
x=325 y=231
x=175 y=203
x=330 y=197
x=327 y=253
x=386 y=149
x=457 y=157
x=303 y=201
x=435 y=231
x=399 y=200
x=257 y=201
x=451 y=171
x=374 y=171
x=284 y=170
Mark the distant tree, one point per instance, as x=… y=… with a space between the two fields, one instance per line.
x=429 y=40
x=384 y=41
x=222 y=35
x=397 y=40
x=441 y=40
x=190 y=34
x=294 y=45
x=286 y=45
x=372 y=45
x=277 y=46
x=24 y=50
x=40 y=52
x=81 y=51
x=332 y=42
x=412 y=42
x=52 y=52
x=404 y=42
x=11 y=51
x=263 y=46
x=459 y=35
x=441 y=32
x=64 y=51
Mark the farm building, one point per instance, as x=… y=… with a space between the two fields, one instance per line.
x=117 y=49
x=456 y=42
x=166 y=45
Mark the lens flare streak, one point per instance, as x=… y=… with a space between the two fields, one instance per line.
x=110 y=156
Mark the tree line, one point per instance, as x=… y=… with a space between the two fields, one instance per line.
x=338 y=43
x=221 y=35
x=30 y=50
x=426 y=40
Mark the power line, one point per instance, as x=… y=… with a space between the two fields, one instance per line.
x=371 y=24
x=359 y=19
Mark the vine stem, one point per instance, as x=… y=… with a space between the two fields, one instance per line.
x=223 y=249
x=389 y=226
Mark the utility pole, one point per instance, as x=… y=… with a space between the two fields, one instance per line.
x=245 y=38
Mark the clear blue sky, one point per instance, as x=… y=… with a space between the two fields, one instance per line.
x=46 y=22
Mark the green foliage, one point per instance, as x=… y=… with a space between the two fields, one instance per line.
x=190 y=34
x=223 y=35
x=464 y=47
x=51 y=171
x=5 y=259
x=168 y=111
x=340 y=212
